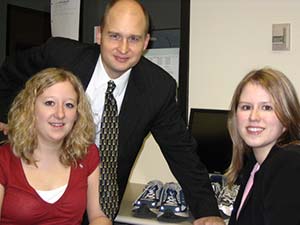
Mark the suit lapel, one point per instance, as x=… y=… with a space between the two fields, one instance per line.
x=87 y=64
x=247 y=198
x=243 y=186
x=132 y=108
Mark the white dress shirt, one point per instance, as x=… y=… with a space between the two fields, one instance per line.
x=96 y=92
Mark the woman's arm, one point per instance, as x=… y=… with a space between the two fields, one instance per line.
x=95 y=214
x=281 y=189
x=1 y=197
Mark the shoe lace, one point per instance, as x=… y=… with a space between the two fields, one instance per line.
x=171 y=198
x=150 y=193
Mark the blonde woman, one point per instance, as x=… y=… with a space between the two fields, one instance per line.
x=49 y=167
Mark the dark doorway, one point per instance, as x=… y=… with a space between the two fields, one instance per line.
x=26 y=28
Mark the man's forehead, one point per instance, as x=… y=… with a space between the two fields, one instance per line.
x=126 y=25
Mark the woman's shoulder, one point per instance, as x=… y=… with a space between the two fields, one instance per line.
x=92 y=153
x=92 y=157
x=93 y=150
x=281 y=167
x=291 y=151
x=6 y=155
x=285 y=157
x=5 y=151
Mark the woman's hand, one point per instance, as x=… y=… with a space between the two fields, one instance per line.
x=4 y=128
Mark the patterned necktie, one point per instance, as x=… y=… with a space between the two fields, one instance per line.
x=109 y=198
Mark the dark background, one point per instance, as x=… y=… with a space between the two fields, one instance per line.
x=165 y=15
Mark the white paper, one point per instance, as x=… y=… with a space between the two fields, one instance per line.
x=65 y=16
x=167 y=58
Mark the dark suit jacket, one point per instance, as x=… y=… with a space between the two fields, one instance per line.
x=149 y=105
x=275 y=195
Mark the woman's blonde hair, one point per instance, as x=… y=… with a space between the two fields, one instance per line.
x=287 y=109
x=21 y=120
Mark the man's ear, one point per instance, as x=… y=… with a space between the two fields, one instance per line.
x=97 y=31
x=146 y=42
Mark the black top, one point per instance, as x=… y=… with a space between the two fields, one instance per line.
x=274 y=198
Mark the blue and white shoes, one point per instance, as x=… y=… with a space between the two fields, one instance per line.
x=146 y=205
x=165 y=202
x=173 y=207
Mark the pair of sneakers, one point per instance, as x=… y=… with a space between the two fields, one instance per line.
x=164 y=201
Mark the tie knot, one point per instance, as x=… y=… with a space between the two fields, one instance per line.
x=110 y=87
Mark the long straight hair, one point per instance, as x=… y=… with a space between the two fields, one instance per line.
x=287 y=110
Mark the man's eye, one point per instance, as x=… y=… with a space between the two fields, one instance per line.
x=49 y=103
x=115 y=36
x=134 y=38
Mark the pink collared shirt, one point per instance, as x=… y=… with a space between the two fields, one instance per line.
x=248 y=187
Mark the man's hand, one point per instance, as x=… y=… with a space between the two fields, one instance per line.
x=210 y=220
x=3 y=128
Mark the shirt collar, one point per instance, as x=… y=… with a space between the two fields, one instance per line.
x=121 y=82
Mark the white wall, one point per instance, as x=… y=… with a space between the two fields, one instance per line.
x=228 y=39
x=151 y=165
